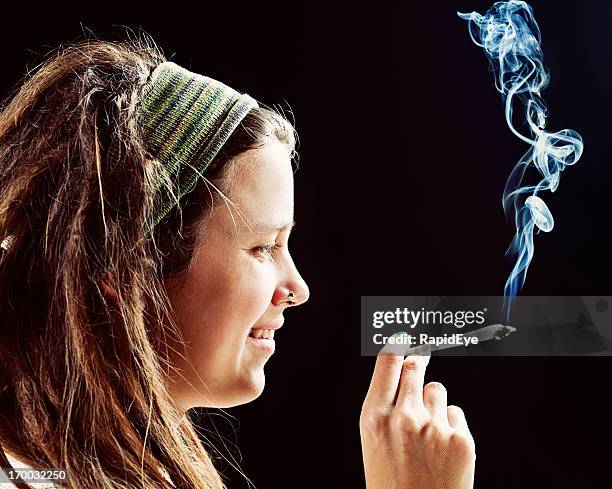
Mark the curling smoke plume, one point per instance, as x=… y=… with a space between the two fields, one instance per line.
x=511 y=39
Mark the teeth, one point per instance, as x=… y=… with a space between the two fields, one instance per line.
x=262 y=333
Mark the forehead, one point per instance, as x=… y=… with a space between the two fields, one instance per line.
x=261 y=187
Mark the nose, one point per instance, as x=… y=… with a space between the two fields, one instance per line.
x=293 y=290
x=300 y=290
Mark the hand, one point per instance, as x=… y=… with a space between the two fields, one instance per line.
x=410 y=439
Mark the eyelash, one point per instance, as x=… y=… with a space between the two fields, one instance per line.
x=268 y=250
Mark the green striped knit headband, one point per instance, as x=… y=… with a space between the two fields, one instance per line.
x=185 y=118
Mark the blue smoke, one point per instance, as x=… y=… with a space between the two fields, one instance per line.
x=511 y=39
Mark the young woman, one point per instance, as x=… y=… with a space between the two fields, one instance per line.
x=145 y=213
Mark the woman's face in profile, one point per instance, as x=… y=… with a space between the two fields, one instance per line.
x=240 y=279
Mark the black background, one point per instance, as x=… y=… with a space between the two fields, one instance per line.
x=404 y=156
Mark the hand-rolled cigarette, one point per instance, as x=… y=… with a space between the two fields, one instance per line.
x=493 y=331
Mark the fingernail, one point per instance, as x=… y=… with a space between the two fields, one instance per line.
x=423 y=359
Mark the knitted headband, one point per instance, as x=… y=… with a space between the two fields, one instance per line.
x=185 y=118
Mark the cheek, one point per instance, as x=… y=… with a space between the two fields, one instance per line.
x=253 y=291
x=228 y=299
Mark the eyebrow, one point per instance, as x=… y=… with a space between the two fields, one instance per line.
x=265 y=228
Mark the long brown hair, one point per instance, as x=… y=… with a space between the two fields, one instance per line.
x=81 y=377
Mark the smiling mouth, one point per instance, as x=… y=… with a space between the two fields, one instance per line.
x=267 y=334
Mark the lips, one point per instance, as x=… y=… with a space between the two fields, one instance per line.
x=267 y=334
x=265 y=331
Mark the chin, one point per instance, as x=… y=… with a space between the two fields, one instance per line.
x=244 y=390
x=252 y=386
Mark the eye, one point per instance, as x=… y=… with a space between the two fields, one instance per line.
x=268 y=250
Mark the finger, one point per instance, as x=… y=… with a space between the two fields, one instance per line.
x=456 y=418
x=435 y=398
x=396 y=348
x=383 y=386
x=410 y=394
